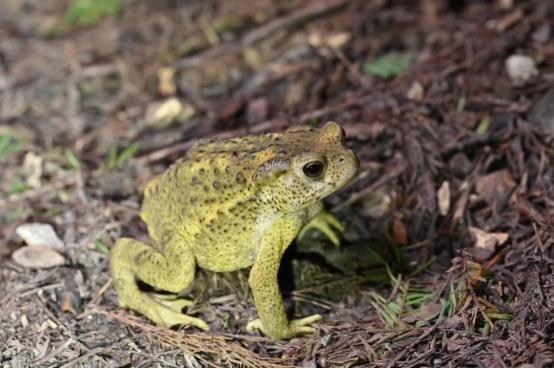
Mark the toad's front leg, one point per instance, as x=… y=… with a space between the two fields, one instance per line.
x=265 y=288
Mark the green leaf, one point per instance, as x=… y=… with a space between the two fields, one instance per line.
x=388 y=65
x=460 y=106
x=111 y=159
x=13 y=215
x=116 y=159
x=72 y=160
x=499 y=316
x=101 y=247
x=9 y=145
x=449 y=305
x=87 y=13
x=127 y=154
x=18 y=186
x=484 y=125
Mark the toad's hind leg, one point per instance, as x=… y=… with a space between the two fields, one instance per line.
x=131 y=260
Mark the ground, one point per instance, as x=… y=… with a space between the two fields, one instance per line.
x=447 y=258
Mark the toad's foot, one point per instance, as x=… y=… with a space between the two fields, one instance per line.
x=296 y=327
x=167 y=317
x=160 y=313
x=171 y=301
x=327 y=224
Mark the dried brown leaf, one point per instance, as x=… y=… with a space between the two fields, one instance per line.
x=486 y=242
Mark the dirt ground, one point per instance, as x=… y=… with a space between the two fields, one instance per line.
x=448 y=256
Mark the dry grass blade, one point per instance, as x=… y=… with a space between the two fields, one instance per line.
x=220 y=350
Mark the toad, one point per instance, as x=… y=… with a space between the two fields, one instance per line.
x=233 y=204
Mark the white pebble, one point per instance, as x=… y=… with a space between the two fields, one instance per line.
x=40 y=234
x=521 y=68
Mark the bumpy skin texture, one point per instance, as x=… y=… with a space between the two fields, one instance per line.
x=229 y=205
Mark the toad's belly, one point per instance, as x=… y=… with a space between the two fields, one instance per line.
x=224 y=251
x=225 y=256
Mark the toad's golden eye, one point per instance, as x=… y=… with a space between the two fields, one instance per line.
x=313 y=169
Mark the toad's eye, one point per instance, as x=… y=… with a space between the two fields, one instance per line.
x=313 y=169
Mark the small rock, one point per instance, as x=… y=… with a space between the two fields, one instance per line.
x=485 y=242
x=38 y=257
x=39 y=234
x=521 y=68
x=334 y=40
x=443 y=198
x=542 y=112
x=163 y=114
x=166 y=83
x=32 y=169
x=415 y=92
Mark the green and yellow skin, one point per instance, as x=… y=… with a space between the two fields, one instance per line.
x=228 y=205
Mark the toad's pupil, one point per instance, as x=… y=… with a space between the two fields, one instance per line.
x=313 y=169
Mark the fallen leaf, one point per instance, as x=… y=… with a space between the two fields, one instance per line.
x=475 y=273
x=39 y=234
x=389 y=65
x=69 y=302
x=486 y=242
x=443 y=198
x=400 y=233
x=425 y=313
x=38 y=257
x=461 y=204
x=496 y=187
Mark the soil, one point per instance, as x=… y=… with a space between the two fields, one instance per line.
x=447 y=258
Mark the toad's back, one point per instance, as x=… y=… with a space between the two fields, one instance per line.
x=210 y=198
